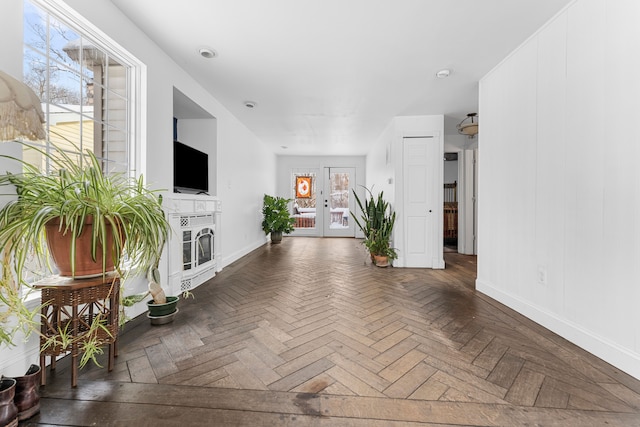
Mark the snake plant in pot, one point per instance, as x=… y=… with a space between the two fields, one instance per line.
x=376 y=222
x=122 y=221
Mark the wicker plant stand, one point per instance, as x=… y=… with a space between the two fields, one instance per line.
x=71 y=305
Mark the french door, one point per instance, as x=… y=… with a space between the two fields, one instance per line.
x=337 y=202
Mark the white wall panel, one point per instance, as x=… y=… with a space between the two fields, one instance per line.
x=585 y=104
x=507 y=174
x=551 y=153
x=621 y=199
x=575 y=217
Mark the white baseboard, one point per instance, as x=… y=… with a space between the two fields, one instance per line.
x=623 y=358
x=436 y=263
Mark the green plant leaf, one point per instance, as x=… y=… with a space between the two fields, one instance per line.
x=276 y=215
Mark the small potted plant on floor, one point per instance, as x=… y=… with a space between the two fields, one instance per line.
x=162 y=308
x=276 y=219
x=376 y=222
x=379 y=247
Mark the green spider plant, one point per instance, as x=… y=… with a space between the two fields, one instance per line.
x=77 y=189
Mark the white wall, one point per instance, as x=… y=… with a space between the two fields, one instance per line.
x=245 y=167
x=559 y=200
x=381 y=170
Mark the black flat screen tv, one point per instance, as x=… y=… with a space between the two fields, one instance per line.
x=190 y=170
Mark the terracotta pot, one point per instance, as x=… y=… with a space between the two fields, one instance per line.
x=60 y=247
x=381 y=260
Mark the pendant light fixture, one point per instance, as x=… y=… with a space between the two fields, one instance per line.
x=469 y=125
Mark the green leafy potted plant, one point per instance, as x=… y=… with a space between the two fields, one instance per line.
x=376 y=222
x=122 y=219
x=276 y=219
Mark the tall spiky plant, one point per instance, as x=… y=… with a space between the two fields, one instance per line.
x=376 y=222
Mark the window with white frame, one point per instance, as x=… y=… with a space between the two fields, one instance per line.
x=85 y=84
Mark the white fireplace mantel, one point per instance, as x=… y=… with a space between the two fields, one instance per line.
x=192 y=216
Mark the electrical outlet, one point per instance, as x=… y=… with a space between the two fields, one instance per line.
x=542 y=275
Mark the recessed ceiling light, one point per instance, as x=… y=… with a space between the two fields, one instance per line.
x=443 y=74
x=205 y=52
x=250 y=104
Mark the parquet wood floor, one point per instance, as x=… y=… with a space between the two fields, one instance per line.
x=309 y=333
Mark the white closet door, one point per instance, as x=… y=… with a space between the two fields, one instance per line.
x=420 y=200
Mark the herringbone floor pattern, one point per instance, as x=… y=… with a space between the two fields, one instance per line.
x=314 y=316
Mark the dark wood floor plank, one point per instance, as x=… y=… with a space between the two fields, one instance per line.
x=491 y=355
x=256 y=366
x=623 y=393
x=206 y=379
x=244 y=377
x=477 y=344
x=401 y=366
x=580 y=386
x=317 y=384
x=551 y=395
x=141 y=370
x=506 y=371
x=363 y=374
x=298 y=377
x=185 y=375
x=525 y=388
x=409 y=383
x=458 y=413
x=300 y=362
x=352 y=382
x=396 y=352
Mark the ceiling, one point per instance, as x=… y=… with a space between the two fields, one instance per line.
x=327 y=76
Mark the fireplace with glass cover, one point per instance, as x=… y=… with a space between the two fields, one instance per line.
x=194 y=245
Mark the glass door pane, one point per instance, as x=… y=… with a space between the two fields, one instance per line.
x=304 y=184
x=338 y=202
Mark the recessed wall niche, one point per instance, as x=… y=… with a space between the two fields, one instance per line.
x=196 y=128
